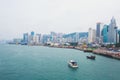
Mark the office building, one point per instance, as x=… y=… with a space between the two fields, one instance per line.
x=112 y=32
x=25 y=38
x=105 y=34
x=98 y=32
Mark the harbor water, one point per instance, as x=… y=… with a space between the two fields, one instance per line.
x=19 y=62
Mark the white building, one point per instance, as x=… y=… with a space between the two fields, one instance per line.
x=36 y=39
x=91 y=35
x=112 y=31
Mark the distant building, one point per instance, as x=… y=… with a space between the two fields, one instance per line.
x=32 y=33
x=53 y=37
x=74 y=37
x=83 y=40
x=25 y=38
x=112 y=31
x=17 y=41
x=118 y=36
x=39 y=38
x=45 y=38
x=35 y=39
x=98 y=32
x=105 y=33
x=90 y=35
x=98 y=29
x=93 y=35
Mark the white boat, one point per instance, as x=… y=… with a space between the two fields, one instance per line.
x=73 y=64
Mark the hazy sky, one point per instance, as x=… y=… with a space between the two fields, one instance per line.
x=43 y=16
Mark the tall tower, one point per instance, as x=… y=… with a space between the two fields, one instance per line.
x=98 y=32
x=90 y=35
x=105 y=33
x=32 y=37
x=25 y=38
x=32 y=33
x=94 y=35
x=112 y=31
x=118 y=36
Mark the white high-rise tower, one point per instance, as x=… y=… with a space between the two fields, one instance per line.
x=112 y=31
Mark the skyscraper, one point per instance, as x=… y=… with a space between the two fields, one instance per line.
x=31 y=37
x=39 y=37
x=93 y=35
x=32 y=33
x=119 y=36
x=105 y=33
x=25 y=38
x=112 y=31
x=98 y=32
x=90 y=35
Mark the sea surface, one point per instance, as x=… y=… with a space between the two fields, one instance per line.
x=44 y=63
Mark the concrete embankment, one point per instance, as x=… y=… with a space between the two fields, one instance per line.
x=107 y=53
x=99 y=51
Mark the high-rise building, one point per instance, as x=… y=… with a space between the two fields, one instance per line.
x=53 y=36
x=90 y=35
x=98 y=32
x=112 y=31
x=105 y=33
x=36 y=39
x=118 y=36
x=45 y=38
x=32 y=33
x=25 y=38
x=93 y=35
x=39 y=37
x=31 y=37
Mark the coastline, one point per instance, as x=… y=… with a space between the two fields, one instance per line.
x=98 y=51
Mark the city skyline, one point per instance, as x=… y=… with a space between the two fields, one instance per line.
x=63 y=16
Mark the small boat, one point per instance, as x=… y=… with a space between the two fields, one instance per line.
x=73 y=64
x=91 y=57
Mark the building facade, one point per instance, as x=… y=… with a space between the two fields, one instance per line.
x=118 y=36
x=98 y=32
x=105 y=34
x=112 y=32
x=25 y=38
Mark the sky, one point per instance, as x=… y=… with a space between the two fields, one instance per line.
x=65 y=16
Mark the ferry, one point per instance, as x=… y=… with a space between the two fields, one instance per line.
x=91 y=57
x=73 y=64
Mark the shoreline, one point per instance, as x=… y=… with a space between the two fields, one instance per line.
x=98 y=51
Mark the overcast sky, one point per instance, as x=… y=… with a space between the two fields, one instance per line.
x=43 y=16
